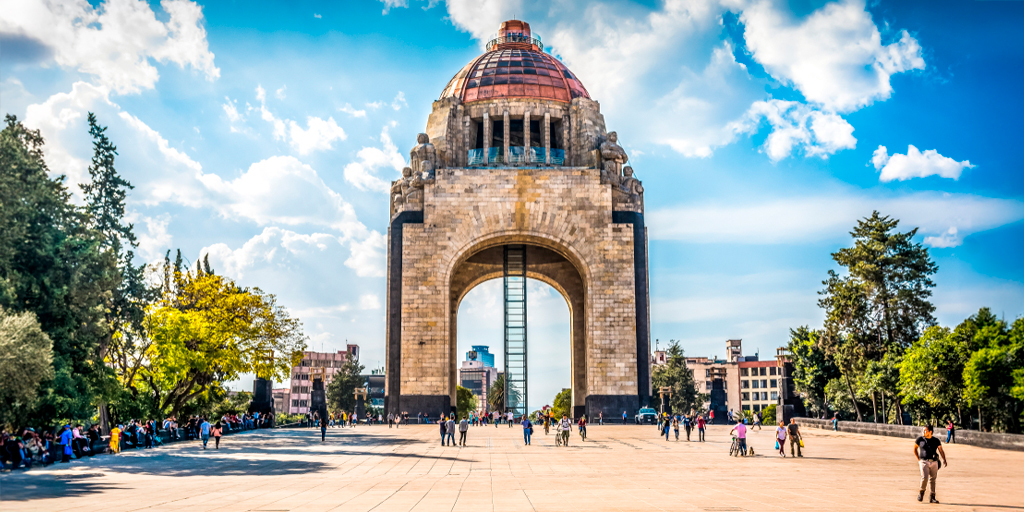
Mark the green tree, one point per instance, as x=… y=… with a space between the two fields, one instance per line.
x=341 y=390
x=52 y=263
x=26 y=361
x=932 y=370
x=674 y=374
x=994 y=374
x=882 y=377
x=123 y=339
x=562 y=404
x=882 y=304
x=812 y=369
x=465 y=402
x=496 y=395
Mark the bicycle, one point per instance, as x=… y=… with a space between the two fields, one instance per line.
x=734 y=448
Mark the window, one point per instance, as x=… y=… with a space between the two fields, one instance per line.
x=757 y=408
x=707 y=373
x=746 y=384
x=775 y=395
x=764 y=395
x=775 y=383
x=754 y=383
x=708 y=383
x=743 y=372
x=746 y=407
x=303 y=403
x=771 y=371
x=295 y=403
x=764 y=370
x=746 y=396
x=764 y=383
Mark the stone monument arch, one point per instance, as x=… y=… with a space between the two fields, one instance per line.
x=516 y=177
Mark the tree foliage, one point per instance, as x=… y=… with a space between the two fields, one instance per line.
x=26 y=357
x=465 y=402
x=812 y=369
x=562 y=404
x=341 y=390
x=675 y=374
x=206 y=330
x=53 y=264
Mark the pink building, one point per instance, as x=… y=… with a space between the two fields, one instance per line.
x=302 y=384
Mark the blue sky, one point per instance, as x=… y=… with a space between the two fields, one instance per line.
x=265 y=135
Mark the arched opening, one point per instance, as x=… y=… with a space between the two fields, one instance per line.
x=481 y=324
x=546 y=265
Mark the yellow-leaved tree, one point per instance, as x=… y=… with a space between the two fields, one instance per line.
x=206 y=330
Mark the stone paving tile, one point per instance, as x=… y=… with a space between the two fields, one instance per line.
x=620 y=468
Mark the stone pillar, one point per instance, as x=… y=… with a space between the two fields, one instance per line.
x=547 y=138
x=526 y=133
x=508 y=134
x=487 y=136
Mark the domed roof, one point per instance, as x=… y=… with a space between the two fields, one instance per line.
x=515 y=66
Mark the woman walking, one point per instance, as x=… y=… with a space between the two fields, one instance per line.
x=780 y=438
x=583 y=427
x=675 y=426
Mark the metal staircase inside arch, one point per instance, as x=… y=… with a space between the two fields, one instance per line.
x=515 y=329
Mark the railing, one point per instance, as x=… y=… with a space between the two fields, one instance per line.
x=516 y=155
x=514 y=38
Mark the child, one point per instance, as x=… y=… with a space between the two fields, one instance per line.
x=216 y=435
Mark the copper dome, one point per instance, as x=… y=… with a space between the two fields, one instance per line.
x=515 y=66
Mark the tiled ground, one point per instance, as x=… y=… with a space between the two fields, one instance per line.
x=619 y=468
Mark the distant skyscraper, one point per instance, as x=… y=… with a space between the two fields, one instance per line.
x=481 y=353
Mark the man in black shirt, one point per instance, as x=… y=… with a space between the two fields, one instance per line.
x=927 y=450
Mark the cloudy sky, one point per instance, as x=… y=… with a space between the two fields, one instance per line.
x=265 y=135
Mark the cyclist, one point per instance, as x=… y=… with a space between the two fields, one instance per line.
x=583 y=427
x=741 y=436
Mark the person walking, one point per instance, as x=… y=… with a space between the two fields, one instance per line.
x=323 y=431
x=66 y=438
x=950 y=432
x=204 y=431
x=757 y=421
x=927 y=450
x=511 y=419
x=463 y=429
x=216 y=435
x=795 y=439
x=665 y=428
x=780 y=438
x=566 y=426
x=444 y=429
x=835 y=422
x=527 y=430
x=687 y=426
x=582 y=424
x=623 y=417
x=600 y=418
x=700 y=428
x=675 y=426
x=449 y=428
x=115 y=439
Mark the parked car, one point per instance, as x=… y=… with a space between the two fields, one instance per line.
x=646 y=415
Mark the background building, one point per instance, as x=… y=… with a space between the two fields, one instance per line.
x=759 y=384
x=302 y=385
x=281 y=398
x=478 y=373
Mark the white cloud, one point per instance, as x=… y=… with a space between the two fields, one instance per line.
x=944 y=219
x=796 y=125
x=317 y=16
x=272 y=245
x=280 y=93
x=478 y=17
x=368 y=257
x=916 y=164
x=369 y=301
x=171 y=154
x=362 y=173
x=318 y=134
x=115 y=41
x=399 y=101
x=53 y=116
x=834 y=56
x=154 y=240
x=352 y=112
x=391 y=4
x=282 y=190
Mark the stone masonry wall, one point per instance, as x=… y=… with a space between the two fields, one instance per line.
x=566 y=210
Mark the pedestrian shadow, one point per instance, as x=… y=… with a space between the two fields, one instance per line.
x=33 y=486
x=1011 y=507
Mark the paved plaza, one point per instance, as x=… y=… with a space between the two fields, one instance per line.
x=619 y=468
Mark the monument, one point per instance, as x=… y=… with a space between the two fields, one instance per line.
x=516 y=177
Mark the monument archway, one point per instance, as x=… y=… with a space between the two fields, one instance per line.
x=516 y=158
x=545 y=265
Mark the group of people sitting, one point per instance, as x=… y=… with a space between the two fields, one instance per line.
x=43 y=448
